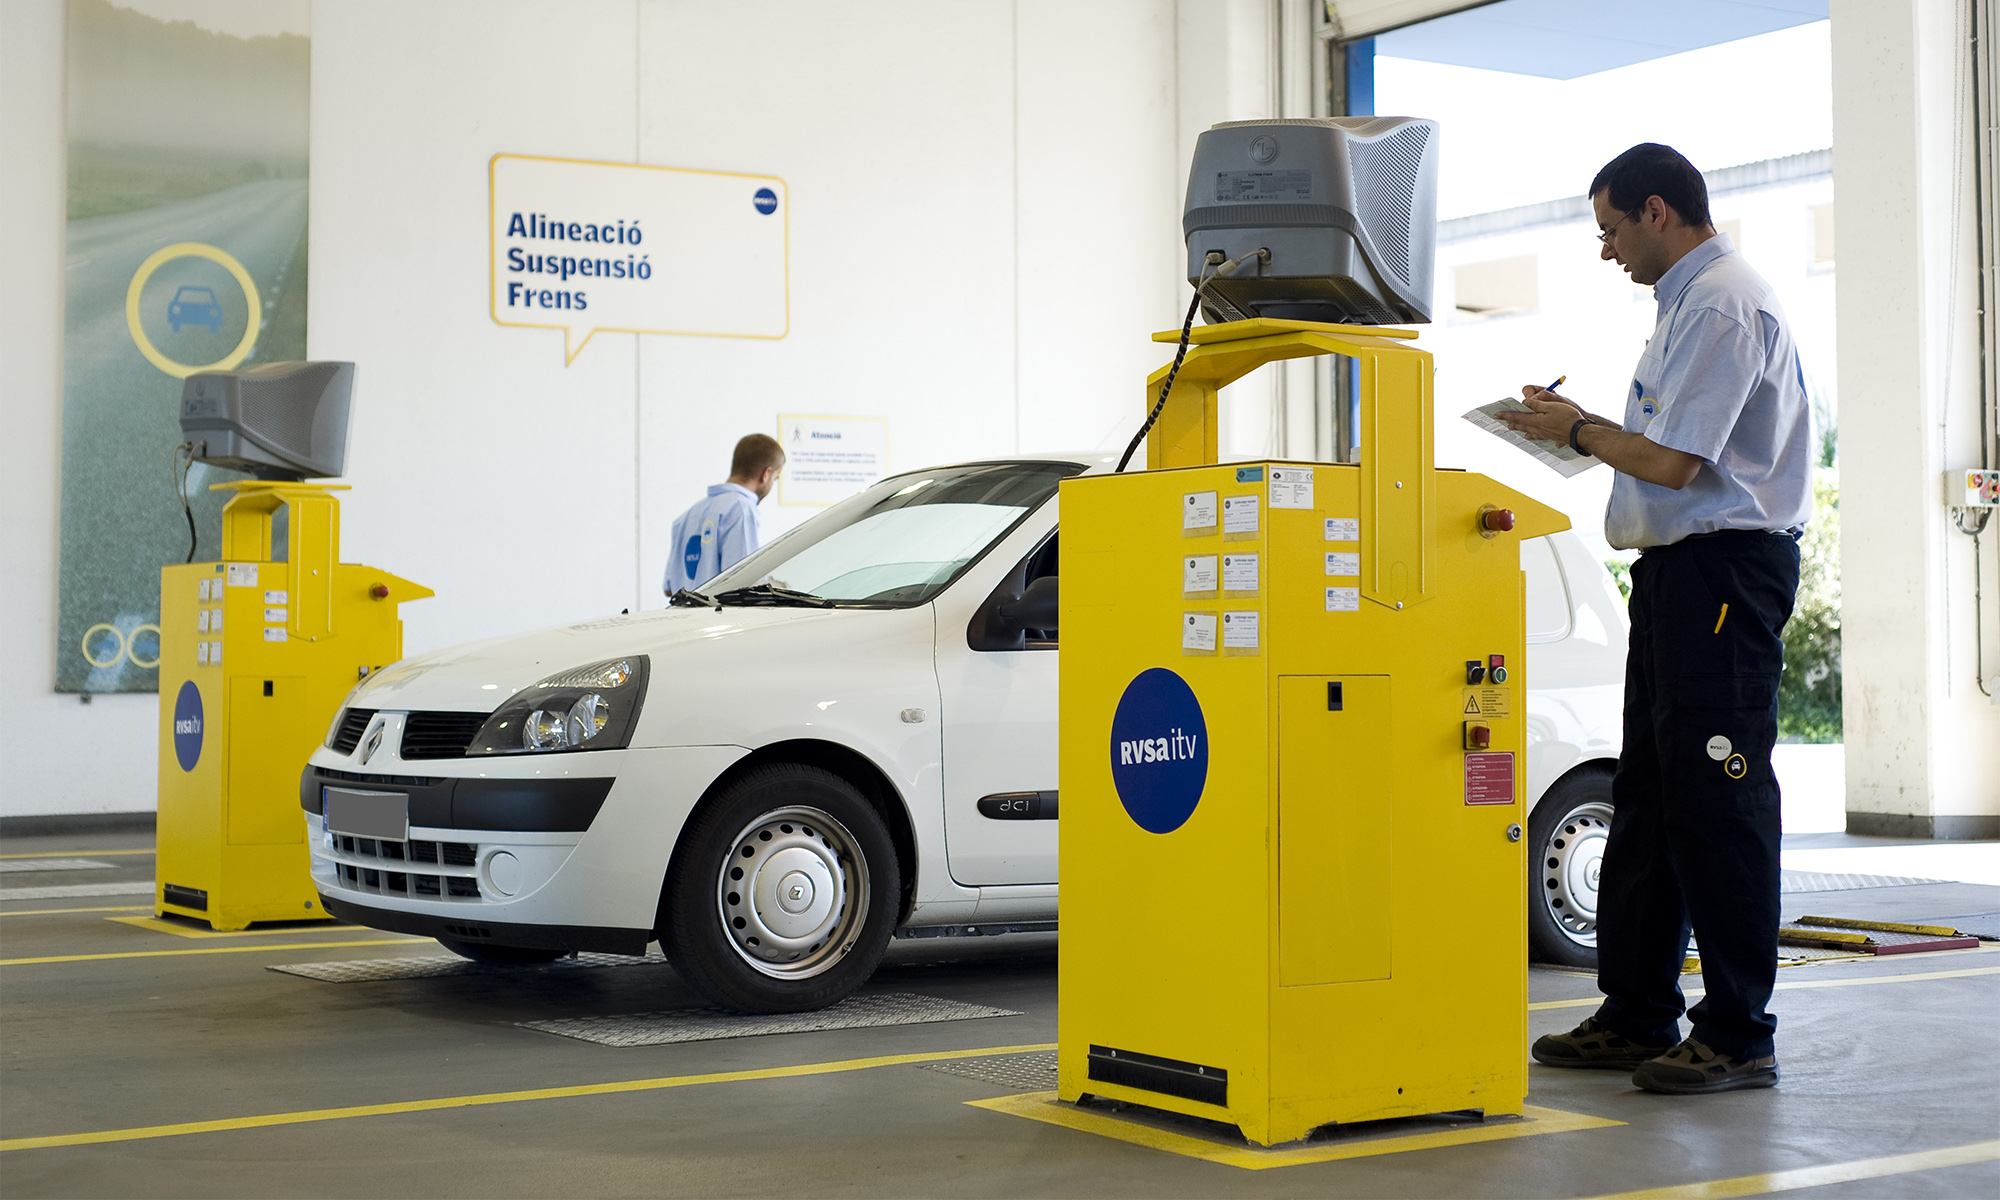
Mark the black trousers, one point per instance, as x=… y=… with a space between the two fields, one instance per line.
x=1694 y=832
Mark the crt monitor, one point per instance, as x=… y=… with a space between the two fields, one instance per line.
x=285 y=420
x=1346 y=206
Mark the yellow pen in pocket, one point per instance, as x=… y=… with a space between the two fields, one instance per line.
x=1721 y=617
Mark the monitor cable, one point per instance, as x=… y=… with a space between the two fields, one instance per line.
x=1222 y=268
x=183 y=463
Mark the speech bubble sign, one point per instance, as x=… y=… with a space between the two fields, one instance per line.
x=586 y=246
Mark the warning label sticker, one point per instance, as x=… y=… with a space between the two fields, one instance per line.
x=1489 y=778
x=1488 y=702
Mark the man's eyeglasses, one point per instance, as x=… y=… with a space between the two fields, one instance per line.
x=1611 y=232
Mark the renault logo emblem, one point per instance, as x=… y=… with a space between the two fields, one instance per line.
x=372 y=741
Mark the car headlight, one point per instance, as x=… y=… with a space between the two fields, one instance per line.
x=589 y=708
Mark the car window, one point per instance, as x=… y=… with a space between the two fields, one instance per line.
x=1548 y=598
x=905 y=539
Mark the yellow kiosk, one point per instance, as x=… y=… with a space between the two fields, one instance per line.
x=1292 y=764
x=258 y=650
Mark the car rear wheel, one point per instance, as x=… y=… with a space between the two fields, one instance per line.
x=1566 y=852
x=783 y=894
x=499 y=955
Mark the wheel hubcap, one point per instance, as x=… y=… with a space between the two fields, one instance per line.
x=1571 y=864
x=792 y=892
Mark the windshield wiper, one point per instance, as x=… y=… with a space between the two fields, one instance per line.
x=689 y=598
x=766 y=593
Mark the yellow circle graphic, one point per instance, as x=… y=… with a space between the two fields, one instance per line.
x=132 y=647
x=1736 y=768
x=166 y=254
x=114 y=659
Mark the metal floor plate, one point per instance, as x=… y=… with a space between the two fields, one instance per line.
x=1034 y=1072
x=432 y=966
x=1790 y=882
x=705 y=1024
x=53 y=864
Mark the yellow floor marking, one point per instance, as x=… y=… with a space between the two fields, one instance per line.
x=188 y=929
x=1797 y=984
x=554 y=1093
x=49 y=912
x=63 y=958
x=75 y=853
x=1044 y=1107
x=1805 y=1177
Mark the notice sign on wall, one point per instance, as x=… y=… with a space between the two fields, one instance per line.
x=587 y=246
x=828 y=459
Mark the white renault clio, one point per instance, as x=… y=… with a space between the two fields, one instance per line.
x=852 y=734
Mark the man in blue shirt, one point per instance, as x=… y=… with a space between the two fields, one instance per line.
x=1713 y=485
x=721 y=530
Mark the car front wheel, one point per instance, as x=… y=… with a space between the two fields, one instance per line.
x=784 y=892
x=1566 y=853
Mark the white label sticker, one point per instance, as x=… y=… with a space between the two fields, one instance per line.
x=1239 y=572
x=1343 y=529
x=1198 y=631
x=275 y=633
x=1291 y=487
x=201 y=654
x=201 y=620
x=1343 y=599
x=1239 y=514
x=201 y=590
x=215 y=654
x=277 y=597
x=1239 y=630
x=275 y=616
x=242 y=574
x=215 y=618
x=1198 y=510
x=1343 y=564
x=1198 y=573
x=1719 y=747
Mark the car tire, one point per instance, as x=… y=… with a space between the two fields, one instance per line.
x=480 y=952
x=1566 y=836
x=783 y=892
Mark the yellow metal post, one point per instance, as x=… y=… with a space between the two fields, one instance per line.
x=1290 y=894
x=256 y=653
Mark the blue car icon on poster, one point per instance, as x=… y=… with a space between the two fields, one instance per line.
x=193 y=305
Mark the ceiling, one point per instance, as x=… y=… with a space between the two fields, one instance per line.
x=1563 y=39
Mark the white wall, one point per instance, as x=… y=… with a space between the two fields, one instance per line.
x=984 y=207
x=1923 y=745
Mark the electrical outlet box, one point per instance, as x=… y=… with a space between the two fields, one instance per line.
x=1972 y=488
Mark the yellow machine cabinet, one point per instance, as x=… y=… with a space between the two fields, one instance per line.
x=1292 y=854
x=256 y=654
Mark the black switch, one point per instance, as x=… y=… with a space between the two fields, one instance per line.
x=1333 y=696
x=1475 y=672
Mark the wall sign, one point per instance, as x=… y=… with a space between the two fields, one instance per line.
x=828 y=459
x=586 y=246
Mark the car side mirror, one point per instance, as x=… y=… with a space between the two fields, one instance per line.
x=1036 y=609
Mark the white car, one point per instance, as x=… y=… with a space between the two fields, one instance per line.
x=850 y=735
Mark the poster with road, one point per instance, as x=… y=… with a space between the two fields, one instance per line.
x=186 y=251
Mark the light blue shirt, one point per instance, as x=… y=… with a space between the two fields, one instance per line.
x=1720 y=380
x=715 y=534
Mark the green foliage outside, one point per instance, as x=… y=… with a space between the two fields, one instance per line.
x=1809 y=692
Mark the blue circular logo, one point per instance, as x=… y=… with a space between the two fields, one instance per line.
x=766 y=201
x=1159 y=750
x=187 y=726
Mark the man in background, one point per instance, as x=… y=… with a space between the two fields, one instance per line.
x=721 y=530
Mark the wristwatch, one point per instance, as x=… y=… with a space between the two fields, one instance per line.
x=1572 y=437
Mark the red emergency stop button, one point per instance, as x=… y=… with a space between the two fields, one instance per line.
x=380 y=591
x=1497 y=520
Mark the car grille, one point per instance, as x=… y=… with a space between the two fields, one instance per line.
x=397 y=868
x=439 y=734
x=353 y=723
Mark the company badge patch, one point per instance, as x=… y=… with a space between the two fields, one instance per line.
x=187 y=726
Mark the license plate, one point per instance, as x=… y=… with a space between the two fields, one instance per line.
x=368 y=814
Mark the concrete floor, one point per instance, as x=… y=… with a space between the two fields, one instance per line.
x=1881 y=1063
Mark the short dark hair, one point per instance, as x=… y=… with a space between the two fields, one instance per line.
x=1650 y=169
x=754 y=453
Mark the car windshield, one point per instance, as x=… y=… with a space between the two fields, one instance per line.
x=899 y=543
